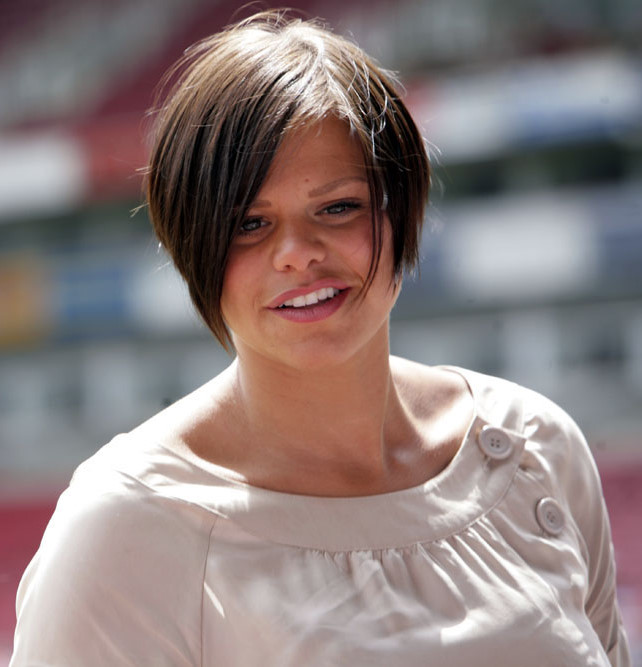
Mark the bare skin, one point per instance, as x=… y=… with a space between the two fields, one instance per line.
x=423 y=414
x=317 y=407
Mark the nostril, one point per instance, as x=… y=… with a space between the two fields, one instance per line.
x=298 y=251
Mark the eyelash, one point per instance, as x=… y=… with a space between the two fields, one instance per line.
x=249 y=232
x=346 y=207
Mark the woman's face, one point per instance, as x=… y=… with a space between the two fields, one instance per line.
x=291 y=292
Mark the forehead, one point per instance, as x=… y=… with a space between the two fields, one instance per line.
x=328 y=142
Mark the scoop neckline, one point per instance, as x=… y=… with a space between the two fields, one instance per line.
x=440 y=506
x=229 y=477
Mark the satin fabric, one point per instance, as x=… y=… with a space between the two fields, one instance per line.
x=155 y=557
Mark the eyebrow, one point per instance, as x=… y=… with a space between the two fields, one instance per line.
x=322 y=189
x=332 y=185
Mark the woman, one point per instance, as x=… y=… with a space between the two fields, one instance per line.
x=319 y=502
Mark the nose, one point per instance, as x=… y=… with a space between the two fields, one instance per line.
x=297 y=246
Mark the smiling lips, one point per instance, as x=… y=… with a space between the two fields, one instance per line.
x=311 y=298
x=311 y=306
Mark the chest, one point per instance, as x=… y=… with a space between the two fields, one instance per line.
x=468 y=599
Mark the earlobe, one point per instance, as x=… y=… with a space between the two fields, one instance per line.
x=397 y=281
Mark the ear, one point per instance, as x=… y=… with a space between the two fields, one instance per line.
x=397 y=281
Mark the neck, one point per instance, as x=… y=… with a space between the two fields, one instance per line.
x=339 y=420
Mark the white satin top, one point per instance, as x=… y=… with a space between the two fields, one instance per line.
x=505 y=558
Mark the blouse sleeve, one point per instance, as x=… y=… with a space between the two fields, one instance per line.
x=583 y=490
x=112 y=583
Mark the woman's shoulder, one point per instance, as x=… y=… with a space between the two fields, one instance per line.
x=200 y=427
x=503 y=403
x=425 y=387
x=485 y=389
x=555 y=449
x=122 y=500
x=554 y=454
x=114 y=550
x=136 y=485
x=524 y=409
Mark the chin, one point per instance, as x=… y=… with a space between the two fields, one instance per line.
x=312 y=358
x=318 y=353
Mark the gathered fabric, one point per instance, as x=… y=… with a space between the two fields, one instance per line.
x=156 y=557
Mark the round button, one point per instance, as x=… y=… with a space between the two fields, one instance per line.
x=495 y=442
x=550 y=516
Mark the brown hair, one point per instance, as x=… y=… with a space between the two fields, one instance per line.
x=235 y=95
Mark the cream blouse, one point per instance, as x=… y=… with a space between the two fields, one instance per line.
x=154 y=558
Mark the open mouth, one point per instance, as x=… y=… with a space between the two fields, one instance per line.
x=321 y=295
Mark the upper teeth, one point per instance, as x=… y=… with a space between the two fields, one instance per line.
x=312 y=298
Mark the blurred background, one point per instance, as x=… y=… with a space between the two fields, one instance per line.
x=531 y=261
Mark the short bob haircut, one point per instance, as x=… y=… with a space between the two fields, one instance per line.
x=231 y=99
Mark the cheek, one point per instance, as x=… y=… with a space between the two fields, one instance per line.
x=356 y=247
x=234 y=286
x=386 y=259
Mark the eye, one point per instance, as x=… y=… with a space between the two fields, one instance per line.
x=250 y=226
x=343 y=207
